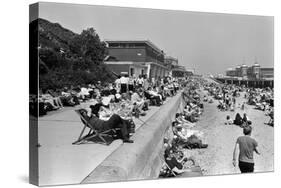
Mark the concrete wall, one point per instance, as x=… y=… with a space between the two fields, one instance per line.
x=142 y=159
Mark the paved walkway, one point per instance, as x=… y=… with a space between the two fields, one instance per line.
x=60 y=162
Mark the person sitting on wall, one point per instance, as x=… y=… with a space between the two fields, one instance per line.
x=176 y=164
x=140 y=103
x=180 y=119
x=190 y=142
x=149 y=94
x=190 y=114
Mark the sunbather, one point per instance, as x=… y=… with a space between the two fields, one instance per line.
x=175 y=164
x=114 y=122
x=238 y=120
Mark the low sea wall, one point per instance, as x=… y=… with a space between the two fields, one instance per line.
x=142 y=159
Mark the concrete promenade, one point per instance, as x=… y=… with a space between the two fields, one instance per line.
x=60 y=162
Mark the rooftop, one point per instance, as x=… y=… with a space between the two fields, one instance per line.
x=148 y=42
x=170 y=57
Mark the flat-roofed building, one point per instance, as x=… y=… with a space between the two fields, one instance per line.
x=176 y=70
x=267 y=73
x=171 y=61
x=231 y=72
x=138 y=52
x=254 y=72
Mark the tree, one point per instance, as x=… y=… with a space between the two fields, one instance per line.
x=88 y=46
x=81 y=61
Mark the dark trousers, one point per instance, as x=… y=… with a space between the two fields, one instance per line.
x=123 y=88
x=246 y=167
x=131 y=87
x=157 y=99
x=116 y=121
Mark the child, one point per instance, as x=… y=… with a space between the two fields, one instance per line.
x=229 y=121
x=243 y=106
x=232 y=107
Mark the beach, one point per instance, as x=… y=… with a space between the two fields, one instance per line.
x=217 y=158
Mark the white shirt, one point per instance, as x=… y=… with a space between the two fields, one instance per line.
x=135 y=98
x=124 y=80
x=140 y=81
x=117 y=82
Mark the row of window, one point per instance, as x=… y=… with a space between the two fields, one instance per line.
x=150 y=51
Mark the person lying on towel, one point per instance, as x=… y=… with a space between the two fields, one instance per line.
x=114 y=122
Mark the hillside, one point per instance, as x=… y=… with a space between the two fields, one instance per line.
x=67 y=58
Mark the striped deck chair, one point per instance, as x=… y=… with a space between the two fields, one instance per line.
x=93 y=135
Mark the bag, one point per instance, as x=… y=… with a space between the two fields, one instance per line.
x=130 y=126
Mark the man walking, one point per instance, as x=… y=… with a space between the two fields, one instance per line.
x=247 y=146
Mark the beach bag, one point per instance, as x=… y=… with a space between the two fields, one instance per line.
x=130 y=125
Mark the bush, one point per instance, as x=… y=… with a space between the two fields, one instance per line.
x=70 y=59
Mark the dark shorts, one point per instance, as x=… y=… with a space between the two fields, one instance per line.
x=246 y=167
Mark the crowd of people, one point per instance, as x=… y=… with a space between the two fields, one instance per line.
x=140 y=90
x=261 y=99
x=185 y=136
x=110 y=105
x=108 y=102
x=227 y=95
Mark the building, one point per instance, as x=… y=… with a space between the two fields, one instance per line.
x=266 y=73
x=176 y=70
x=127 y=68
x=254 y=72
x=170 y=61
x=136 y=57
x=231 y=72
x=252 y=76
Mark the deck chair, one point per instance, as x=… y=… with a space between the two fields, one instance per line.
x=169 y=172
x=93 y=135
x=195 y=170
x=150 y=98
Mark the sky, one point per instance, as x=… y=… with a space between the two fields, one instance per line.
x=209 y=43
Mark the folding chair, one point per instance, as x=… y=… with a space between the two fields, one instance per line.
x=170 y=172
x=151 y=100
x=93 y=135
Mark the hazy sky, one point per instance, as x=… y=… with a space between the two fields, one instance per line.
x=208 y=42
